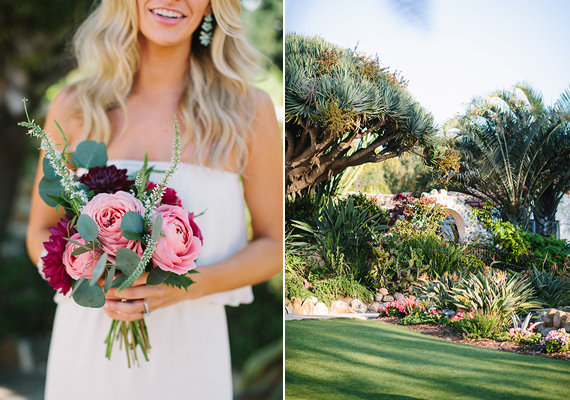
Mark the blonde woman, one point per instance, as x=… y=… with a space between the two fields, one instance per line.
x=144 y=61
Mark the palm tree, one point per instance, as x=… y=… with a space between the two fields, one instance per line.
x=511 y=149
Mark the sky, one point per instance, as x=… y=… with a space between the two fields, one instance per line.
x=450 y=50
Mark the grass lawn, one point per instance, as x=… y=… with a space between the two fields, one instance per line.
x=355 y=359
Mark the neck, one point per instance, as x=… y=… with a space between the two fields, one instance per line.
x=162 y=70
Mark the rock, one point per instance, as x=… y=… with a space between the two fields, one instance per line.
x=412 y=298
x=545 y=329
x=297 y=309
x=399 y=296
x=378 y=297
x=373 y=308
x=448 y=313
x=321 y=309
x=308 y=306
x=288 y=303
x=548 y=319
x=388 y=299
x=383 y=291
x=560 y=319
x=288 y=310
x=339 y=307
x=357 y=306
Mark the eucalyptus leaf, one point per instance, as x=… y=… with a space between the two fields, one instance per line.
x=80 y=250
x=52 y=188
x=119 y=280
x=87 y=228
x=109 y=276
x=127 y=261
x=99 y=269
x=157 y=228
x=88 y=296
x=49 y=171
x=90 y=154
x=132 y=226
x=156 y=276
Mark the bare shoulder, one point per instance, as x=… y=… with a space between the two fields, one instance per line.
x=64 y=111
x=264 y=122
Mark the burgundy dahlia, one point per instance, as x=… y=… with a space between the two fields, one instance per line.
x=169 y=197
x=53 y=269
x=107 y=179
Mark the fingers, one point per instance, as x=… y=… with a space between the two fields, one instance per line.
x=126 y=310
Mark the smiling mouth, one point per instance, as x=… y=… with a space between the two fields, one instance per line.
x=167 y=13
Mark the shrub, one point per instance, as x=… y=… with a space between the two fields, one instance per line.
x=342 y=235
x=494 y=293
x=545 y=251
x=522 y=330
x=420 y=216
x=302 y=209
x=550 y=286
x=556 y=340
x=364 y=203
x=425 y=317
x=332 y=289
x=295 y=270
x=438 y=291
x=477 y=324
x=401 y=308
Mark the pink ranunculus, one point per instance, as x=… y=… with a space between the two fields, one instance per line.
x=178 y=250
x=83 y=264
x=107 y=211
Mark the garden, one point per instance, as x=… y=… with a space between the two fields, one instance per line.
x=352 y=252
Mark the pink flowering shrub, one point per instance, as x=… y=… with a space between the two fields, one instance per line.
x=555 y=341
x=401 y=308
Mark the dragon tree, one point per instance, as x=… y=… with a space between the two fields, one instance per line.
x=343 y=109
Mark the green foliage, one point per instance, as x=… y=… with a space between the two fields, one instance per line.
x=545 y=251
x=494 y=293
x=332 y=289
x=363 y=203
x=420 y=216
x=296 y=269
x=552 y=287
x=438 y=291
x=341 y=234
x=555 y=341
x=508 y=239
x=335 y=98
x=477 y=325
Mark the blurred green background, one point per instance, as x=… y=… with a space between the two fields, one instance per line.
x=34 y=61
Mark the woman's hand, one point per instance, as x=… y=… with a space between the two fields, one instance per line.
x=128 y=305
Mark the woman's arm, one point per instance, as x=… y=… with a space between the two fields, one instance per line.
x=261 y=259
x=42 y=216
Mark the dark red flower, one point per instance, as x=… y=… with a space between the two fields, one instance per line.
x=169 y=197
x=107 y=179
x=195 y=228
x=53 y=269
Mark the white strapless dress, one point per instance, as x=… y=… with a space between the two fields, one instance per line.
x=190 y=356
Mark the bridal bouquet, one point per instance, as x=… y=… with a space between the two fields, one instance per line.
x=113 y=230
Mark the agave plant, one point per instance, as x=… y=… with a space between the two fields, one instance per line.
x=550 y=286
x=495 y=292
x=438 y=291
x=340 y=234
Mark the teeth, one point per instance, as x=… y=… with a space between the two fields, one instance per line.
x=167 y=13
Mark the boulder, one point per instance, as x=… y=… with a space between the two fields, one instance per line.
x=412 y=298
x=288 y=303
x=567 y=326
x=549 y=318
x=545 y=329
x=388 y=299
x=308 y=306
x=560 y=319
x=339 y=307
x=383 y=291
x=288 y=310
x=399 y=296
x=321 y=309
x=378 y=297
x=357 y=306
x=297 y=308
x=373 y=308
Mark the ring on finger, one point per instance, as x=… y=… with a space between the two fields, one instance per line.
x=146 y=312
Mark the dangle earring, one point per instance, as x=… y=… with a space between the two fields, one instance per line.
x=206 y=32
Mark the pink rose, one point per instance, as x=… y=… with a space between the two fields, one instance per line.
x=107 y=211
x=83 y=264
x=178 y=250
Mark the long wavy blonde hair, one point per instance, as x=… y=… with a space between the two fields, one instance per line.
x=218 y=102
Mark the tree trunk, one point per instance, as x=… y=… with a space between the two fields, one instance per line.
x=545 y=212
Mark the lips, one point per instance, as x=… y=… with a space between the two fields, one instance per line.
x=165 y=13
